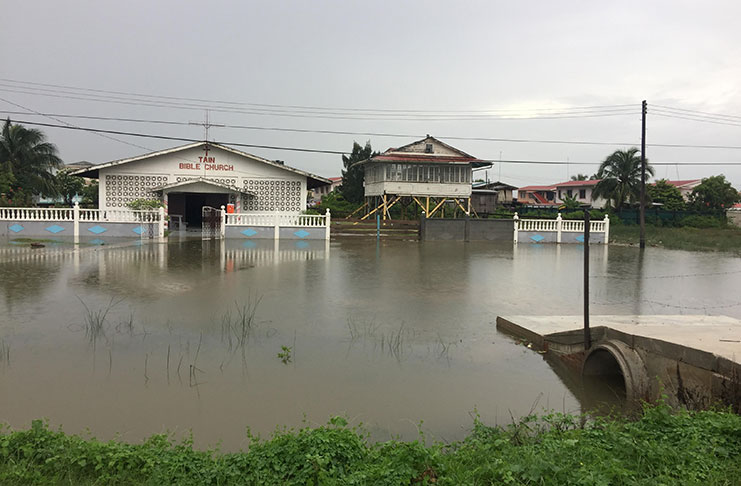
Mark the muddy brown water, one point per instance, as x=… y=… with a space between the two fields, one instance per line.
x=127 y=341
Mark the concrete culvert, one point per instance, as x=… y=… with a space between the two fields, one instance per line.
x=618 y=369
x=603 y=378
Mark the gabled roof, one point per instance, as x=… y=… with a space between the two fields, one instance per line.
x=404 y=154
x=536 y=188
x=685 y=182
x=591 y=182
x=92 y=172
x=494 y=185
x=204 y=180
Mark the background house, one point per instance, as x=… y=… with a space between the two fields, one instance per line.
x=318 y=192
x=486 y=196
x=685 y=186
x=581 y=191
x=537 y=195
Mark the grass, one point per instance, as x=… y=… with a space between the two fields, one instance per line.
x=706 y=239
x=660 y=447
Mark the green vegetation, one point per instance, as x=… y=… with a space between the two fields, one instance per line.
x=661 y=192
x=285 y=354
x=706 y=237
x=620 y=175
x=714 y=193
x=27 y=162
x=145 y=204
x=352 y=175
x=661 y=447
x=68 y=186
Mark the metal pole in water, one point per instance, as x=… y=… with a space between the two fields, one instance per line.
x=587 y=332
x=378 y=226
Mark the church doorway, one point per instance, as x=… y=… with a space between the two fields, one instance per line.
x=190 y=205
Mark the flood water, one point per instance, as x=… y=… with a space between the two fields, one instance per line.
x=214 y=337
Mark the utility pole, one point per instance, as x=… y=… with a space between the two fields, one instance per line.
x=587 y=331
x=643 y=176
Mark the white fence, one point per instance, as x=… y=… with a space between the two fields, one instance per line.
x=560 y=226
x=277 y=220
x=76 y=215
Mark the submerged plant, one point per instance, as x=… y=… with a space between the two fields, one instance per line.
x=285 y=354
x=237 y=328
x=95 y=319
x=4 y=353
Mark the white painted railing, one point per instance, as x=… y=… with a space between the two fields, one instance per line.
x=85 y=215
x=76 y=215
x=119 y=216
x=278 y=220
x=36 y=214
x=559 y=226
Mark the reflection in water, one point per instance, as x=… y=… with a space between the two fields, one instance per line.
x=187 y=335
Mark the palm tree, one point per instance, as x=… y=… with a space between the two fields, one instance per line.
x=620 y=177
x=27 y=159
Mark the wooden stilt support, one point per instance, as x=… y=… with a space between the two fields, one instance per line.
x=436 y=208
x=365 y=205
x=385 y=209
x=461 y=206
x=427 y=208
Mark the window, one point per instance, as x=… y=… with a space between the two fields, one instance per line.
x=570 y=193
x=428 y=148
x=582 y=193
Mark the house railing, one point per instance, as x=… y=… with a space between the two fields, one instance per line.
x=76 y=215
x=560 y=226
x=277 y=220
x=36 y=214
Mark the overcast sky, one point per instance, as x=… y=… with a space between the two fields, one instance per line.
x=458 y=57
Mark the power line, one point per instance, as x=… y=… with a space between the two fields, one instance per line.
x=702 y=113
x=692 y=118
x=321 y=114
x=340 y=152
x=75 y=126
x=303 y=107
x=180 y=139
x=378 y=134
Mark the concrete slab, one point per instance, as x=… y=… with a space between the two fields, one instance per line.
x=719 y=335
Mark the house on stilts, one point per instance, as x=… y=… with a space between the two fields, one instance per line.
x=427 y=173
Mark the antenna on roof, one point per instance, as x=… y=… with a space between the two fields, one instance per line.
x=206 y=124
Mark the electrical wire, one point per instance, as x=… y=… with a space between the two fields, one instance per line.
x=370 y=133
x=564 y=114
x=302 y=107
x=340 y=152
x=74 y=126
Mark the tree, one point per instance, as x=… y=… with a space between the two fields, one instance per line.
x=665 y=194
x=27 y=160
x=90 y=194
x=714 y=192
x=352 y=177
x=620 y=177
x=583 y=177
x=69 y=186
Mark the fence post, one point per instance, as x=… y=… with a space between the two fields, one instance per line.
x=222 y=219
x=276 y=223
x=161 y=223
x=76 y=221
x=328 y=223
x=559 y=225
x=516 y=220
x=607 y=229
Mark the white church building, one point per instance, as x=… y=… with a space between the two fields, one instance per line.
x=189 y=177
